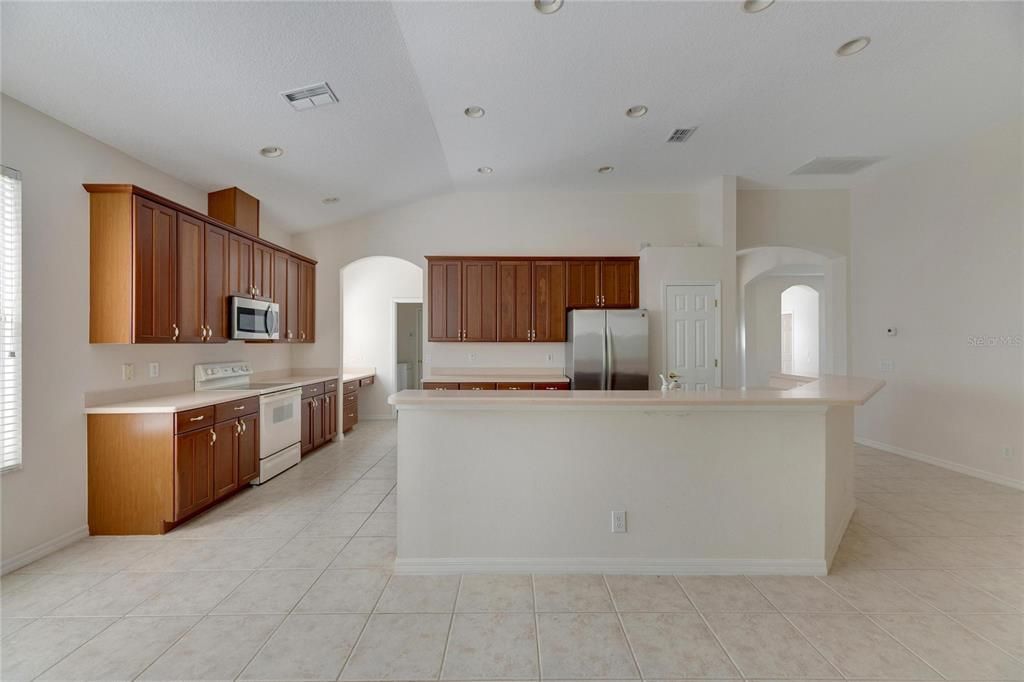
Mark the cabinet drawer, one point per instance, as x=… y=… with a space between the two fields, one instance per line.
x=515 y=386
x=350 y=387
x=365 y=381
x=238 y=408
x=477 y=386
x=551 y=386
x=331 y=385
x=349 y=399
x=439 y=386
x=194 y=419
x=311 y=390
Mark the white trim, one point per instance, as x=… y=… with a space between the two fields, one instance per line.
x=945 y=464
x=613 y=566
x=717 y=284
x=39 y=551
x=837 y=539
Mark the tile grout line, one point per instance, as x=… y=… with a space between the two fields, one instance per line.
x=451 y=626
x=953 y=617
x=536 y=624
x=622 y=628
x=714 y=634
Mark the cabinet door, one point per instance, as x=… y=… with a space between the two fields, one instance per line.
x=291 y=314
x=549 y=301
x=193 y=472
x=330 y=415
x=307 y=301
x=240 y=265
x=620 y=284
x=480 y=301
x=444 y=279
x=318 y=422
x=281 y=291
x=191 y=279
x=583 y=283
x=306 y=436
x=263 y=270
x=249 y=449
x=156 y=290
x=225 y=459
x=515 y=304
x=215 y=295
x=350 y=412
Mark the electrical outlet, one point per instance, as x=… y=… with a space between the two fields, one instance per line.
x=886 y=365
x=550 y=357
x=154 y=370
x=472 y=357
x=127 y=372
x=1008 y=453
x=618 y=522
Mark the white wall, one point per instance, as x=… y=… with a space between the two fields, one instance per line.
x=47 y=498
x=936 y=250
x=762 y=323
x=528 y=224
x=801 y=301
x=370 y=287
x=815 y=219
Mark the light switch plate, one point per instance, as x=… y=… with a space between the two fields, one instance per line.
x=127 y=372
x=887 y=365
x=154 y=369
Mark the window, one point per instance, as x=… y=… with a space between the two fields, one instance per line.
x=10 y=319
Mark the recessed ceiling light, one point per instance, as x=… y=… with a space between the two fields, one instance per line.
x=330 y=200
x=484 y=170
x=605 y=169
x=852 y=47
x=474 y=112
x=636 y=111
x=547 y=6
x=271 y=152
x=755 y=6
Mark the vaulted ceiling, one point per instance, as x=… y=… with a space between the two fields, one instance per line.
x=194 y=89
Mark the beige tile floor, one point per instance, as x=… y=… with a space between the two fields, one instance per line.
x=292 y=581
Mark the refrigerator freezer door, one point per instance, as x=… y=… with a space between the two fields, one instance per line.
x=627 y=350
x=585 y=357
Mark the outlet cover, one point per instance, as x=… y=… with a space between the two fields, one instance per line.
x=887 y=365
x=618 y=522
x=127 y=372
x=154 y=369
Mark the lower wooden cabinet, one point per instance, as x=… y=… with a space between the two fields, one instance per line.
x=500 y=386
x=193 y=471
x=248 y=449
x=225 y=459
x=319 y=417
x=349 y=412
x=330 y=415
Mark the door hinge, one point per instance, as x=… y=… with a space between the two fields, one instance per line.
x=716 y=362
x=716 y=302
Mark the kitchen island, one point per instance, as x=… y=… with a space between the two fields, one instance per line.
x=717 y=482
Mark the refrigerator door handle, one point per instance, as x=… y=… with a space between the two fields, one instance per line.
x=611 y=359
x=605 y=375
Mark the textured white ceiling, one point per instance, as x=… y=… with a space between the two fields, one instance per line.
x=192 y=88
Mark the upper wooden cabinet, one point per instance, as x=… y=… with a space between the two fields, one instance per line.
x=445 y=300
x=603 y=283
x=515 y=300
x=160 y=272
x=548 y=301
x=583 y=284
x=236 y=208
x=479 y=301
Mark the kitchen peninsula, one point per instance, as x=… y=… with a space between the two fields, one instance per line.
x=723 y=481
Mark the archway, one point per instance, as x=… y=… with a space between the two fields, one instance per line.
x=799 y=332
x=371 y=316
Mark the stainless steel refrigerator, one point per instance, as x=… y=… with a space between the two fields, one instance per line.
x=607 y=350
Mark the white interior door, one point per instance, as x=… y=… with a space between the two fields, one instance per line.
x=692 y=329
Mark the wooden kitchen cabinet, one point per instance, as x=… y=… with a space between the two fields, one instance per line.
x=515 y=300
x=583 y=284
x=160 y=272
x=156 y=272
x=444 y=279
x=240 y=266
x=248 y=449
x=225 y=458
x=440 y=386
x=306 y=430
x=193 y=471
x=548 y=301
x=620 y=281
x=330 y=402
x=479 y=301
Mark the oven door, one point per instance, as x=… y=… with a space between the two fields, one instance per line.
x=254 y=319
x=280 y=421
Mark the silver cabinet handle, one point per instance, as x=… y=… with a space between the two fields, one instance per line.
x=239 y=408
x=197 y=419
x=289 y=333
x=245 y=427
x=302 y=336
x=175 y=328
x=238 y=428
x=213 y=436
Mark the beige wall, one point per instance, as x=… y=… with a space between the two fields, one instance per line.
x=490 y=223
x=818 y=220
x=936 y=252
x=46 y=500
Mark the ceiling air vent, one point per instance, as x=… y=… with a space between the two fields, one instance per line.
x=681 y=134
x=310 y=97
x=836 y=165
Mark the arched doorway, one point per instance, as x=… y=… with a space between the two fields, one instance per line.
x=799 y=331
x=381 y=297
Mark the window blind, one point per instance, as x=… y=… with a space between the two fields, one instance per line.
x=10 y=319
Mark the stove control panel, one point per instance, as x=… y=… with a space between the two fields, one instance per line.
x=220 y=374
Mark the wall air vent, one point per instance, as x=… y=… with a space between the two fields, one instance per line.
x=836 y=165
x=310 y=97
x=681 y=134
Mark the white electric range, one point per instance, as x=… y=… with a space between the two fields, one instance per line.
x=280 y=413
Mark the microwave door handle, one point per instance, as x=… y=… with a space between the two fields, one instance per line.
x=270 y=320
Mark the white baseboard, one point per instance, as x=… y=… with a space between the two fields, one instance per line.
x=613 y=566
x=945 y=464
x=39 y=551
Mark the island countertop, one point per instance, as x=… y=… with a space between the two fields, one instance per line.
x=827 y=390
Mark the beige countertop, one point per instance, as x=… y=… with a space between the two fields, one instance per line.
x=497 y=378
x=828 y=390
x=180 y=402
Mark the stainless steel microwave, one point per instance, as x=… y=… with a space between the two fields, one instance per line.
x=252 y=318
